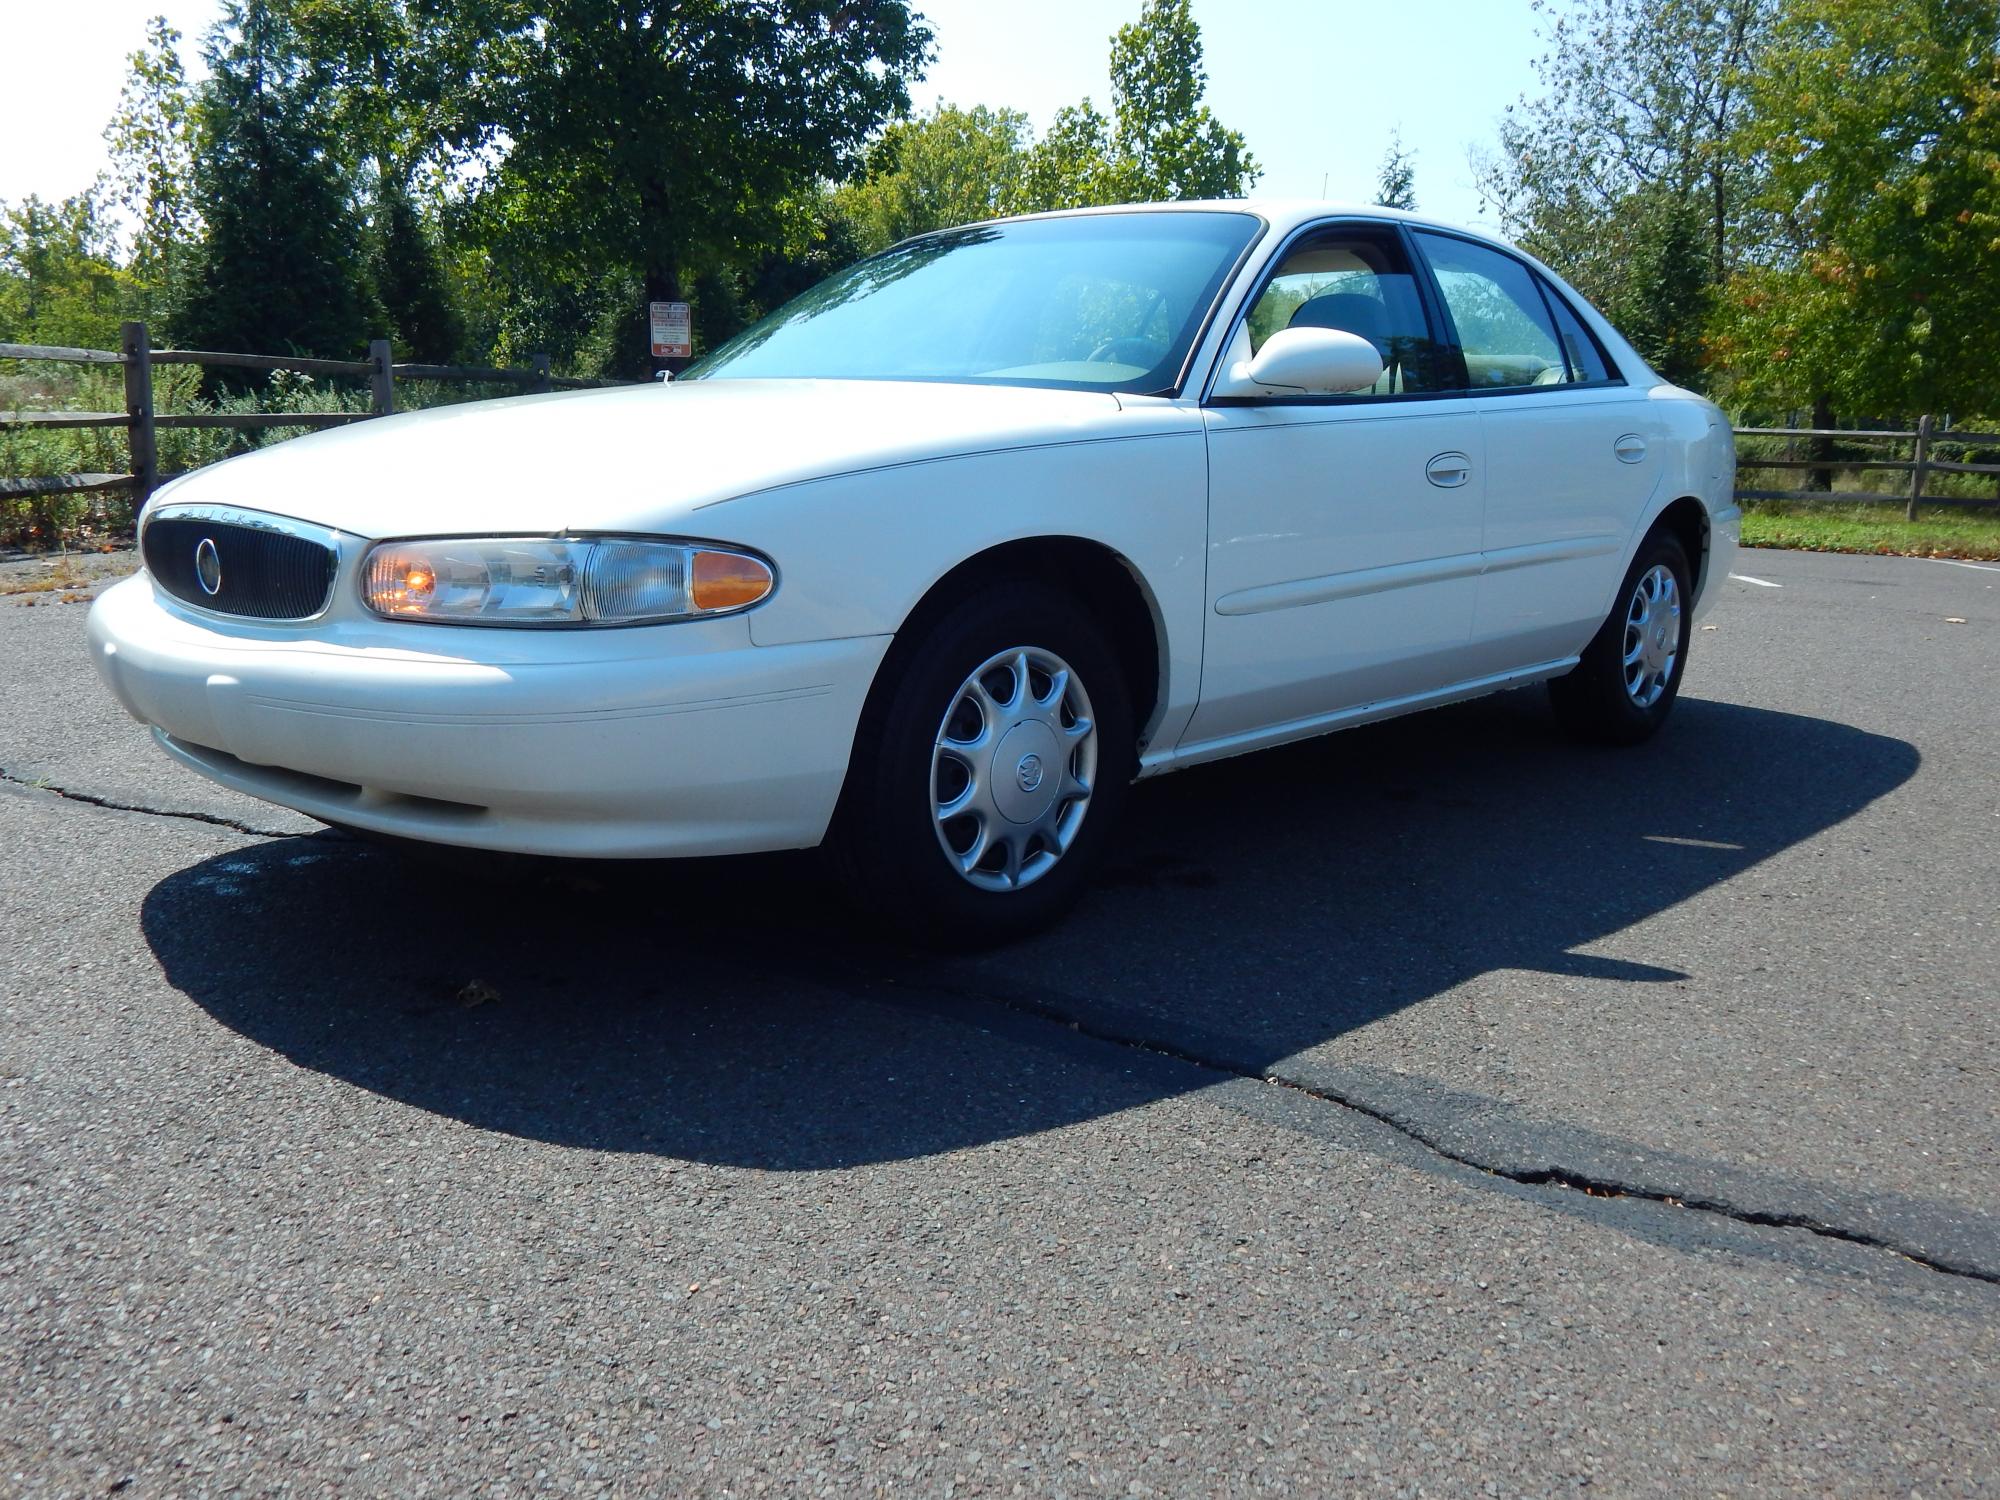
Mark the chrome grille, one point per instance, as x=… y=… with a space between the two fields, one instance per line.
x=239 y=563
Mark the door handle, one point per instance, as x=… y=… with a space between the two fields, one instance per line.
x=1631 y=448
x=1448 y=470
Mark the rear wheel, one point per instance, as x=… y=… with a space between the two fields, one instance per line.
x=988 y=770
x=1624 y=687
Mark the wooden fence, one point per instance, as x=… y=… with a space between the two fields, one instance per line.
x=141 y=421
x=1922 y=463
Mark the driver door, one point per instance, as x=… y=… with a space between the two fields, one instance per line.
x=1344 y=531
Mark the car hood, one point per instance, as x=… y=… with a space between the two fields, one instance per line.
x=631 y=458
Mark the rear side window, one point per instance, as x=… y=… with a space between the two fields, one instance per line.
x=1586 y=358
x=1359 y=280
x=1503 y=322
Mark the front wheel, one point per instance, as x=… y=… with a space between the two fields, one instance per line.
x=1623 y=688
x=988 y=770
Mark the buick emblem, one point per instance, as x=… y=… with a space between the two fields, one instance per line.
x=1029 y=772
x=208 y=566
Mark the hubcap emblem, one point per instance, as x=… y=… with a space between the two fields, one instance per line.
x=1029 y=772
x=208 y=566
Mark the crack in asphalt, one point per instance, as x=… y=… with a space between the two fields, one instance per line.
x=1558 y=1177
x=91 y=799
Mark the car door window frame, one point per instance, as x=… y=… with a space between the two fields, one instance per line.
x=1442 y=333
x=1428 y=276
x=1558 y=305
x=1215 y=305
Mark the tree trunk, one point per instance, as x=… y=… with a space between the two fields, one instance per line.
x=1819 y=447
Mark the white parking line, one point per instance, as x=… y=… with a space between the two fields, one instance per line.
x=1762 y=583
x=1955 y=563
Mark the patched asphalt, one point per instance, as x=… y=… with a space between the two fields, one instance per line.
x=1422 y=1110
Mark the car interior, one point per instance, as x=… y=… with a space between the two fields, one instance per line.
x=1501 y=315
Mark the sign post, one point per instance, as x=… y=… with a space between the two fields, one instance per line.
x=673 y=330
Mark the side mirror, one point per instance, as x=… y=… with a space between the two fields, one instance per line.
x=1305 y=362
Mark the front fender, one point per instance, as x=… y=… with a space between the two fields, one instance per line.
x=856 y=553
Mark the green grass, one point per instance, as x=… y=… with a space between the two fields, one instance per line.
x=1938 y=531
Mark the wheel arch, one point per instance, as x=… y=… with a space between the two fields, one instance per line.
x=1103 y=579
x=1687 y=520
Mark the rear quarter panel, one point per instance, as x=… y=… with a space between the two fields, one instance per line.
x=1701 y=463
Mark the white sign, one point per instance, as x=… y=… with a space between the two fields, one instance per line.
x=673 y=330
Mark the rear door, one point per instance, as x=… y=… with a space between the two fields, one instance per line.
x=1573 y=455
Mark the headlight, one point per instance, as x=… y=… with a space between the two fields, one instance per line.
x=558 y=581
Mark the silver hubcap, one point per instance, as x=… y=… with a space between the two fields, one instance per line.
x=1012 y=768
x=1652 y=636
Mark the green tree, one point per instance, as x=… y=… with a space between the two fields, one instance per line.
x=951 y=166
x=1166 y=141
x=1161 y=142
x=663 y=139
x=282 y=263
x=411 y=278
x=392 y=87
x=1071 y=166
x=818 y=240
x=395 y=80
x=1396 y=183
x=152 y=160
x=1879 y=129
x=59 y=283
x=1629 y=150
x=1668 y=293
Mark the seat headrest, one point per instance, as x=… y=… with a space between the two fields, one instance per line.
x=1350 y=312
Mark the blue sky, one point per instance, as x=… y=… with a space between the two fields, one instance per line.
x=1315 y=85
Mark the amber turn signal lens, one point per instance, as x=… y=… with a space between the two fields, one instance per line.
x=728 y=580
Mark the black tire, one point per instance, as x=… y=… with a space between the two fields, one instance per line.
x=885 y=845
x=1595 y=702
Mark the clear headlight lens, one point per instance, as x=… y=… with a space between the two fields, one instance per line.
x=559 y=581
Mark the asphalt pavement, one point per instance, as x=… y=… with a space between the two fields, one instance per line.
x=1434 y=1109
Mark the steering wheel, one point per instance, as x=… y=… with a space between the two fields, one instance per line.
x=1130 y=350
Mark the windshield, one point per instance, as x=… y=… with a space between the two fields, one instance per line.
x=1101 y=302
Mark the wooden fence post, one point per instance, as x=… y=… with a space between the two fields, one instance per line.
x=138 y=352
x=381 y=379
x=539 y=363
x=1923 y=458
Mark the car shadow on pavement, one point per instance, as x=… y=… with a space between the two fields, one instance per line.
x=727 y=1011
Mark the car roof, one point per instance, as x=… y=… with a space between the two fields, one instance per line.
x=1282 y=214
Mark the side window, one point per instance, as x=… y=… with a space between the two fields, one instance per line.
x=1586 y=357
x=1359 y=281
x=1503 y=323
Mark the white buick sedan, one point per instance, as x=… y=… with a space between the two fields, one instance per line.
x=935 y=561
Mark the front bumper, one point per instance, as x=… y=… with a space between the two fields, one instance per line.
x=655 y=741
